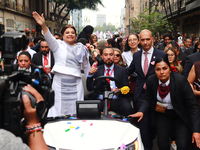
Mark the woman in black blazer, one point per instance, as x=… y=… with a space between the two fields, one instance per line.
x=175 y=107
x=24 y=61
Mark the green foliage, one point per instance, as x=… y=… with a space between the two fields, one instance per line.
x=104 y=28
x=153 y=21
x=79 y=4
x=65 y=6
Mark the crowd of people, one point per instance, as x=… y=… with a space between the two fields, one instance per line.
x=163 y=76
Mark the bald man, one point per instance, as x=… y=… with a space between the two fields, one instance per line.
x=143 y=64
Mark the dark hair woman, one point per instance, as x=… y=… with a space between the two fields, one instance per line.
x=70 y=57
x=24 y=61
x=170 y=95
x=86 y=33
x=131 y=47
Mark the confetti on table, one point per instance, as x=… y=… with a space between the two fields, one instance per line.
x=67 y=130
x=69 y=123
x=124 y=119
x=84 y=121
x=72 y=118
x=123 y=146
x=91 y=124
x=82 y=134
x=72 y=126
x=77 y=127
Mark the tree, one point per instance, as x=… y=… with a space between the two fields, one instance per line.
x=104 y=28
x=167 y=5
x=153 y=21
x=65 y=6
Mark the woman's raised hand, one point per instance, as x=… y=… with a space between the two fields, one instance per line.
x=39 y=19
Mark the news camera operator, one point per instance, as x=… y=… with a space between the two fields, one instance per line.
x=35 y=137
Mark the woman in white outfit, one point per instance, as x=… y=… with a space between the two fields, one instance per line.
x=131 y=47
x=70 y=58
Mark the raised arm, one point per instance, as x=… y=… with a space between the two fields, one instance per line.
x=52 y=42
x=40 y=20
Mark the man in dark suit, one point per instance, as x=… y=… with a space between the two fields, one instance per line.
x=188 y=49
x=120 y=103
x=189 y=62
x=143 y=64
x=44 y=58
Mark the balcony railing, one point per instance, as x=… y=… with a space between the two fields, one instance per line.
x=15 y=6
x=174 y=7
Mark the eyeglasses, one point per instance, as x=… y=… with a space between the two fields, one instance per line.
x=117 y=55
x=132 y=40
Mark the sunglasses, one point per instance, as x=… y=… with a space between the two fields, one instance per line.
x=117 y=55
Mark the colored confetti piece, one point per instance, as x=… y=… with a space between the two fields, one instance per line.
x=125 y=119
x=67 y=130
x=110 y=117
x=84 y=121
x=123 y=146
x=72 y=126
x=69 y=123
x=82 y=134
x=71 y=115
x=91 y=124
x=72 y=118
x=77 y=127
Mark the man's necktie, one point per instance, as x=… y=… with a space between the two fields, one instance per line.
x=107 y=74
x=146 y=66
x=45 y=63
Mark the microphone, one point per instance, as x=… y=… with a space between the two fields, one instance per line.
x=124 y=90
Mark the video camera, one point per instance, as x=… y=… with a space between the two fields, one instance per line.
x=10 y=44
x=11 y=91
x=12 y=83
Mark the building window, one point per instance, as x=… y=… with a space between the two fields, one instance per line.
x=10 y=23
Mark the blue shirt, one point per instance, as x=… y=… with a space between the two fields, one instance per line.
x=112 y=83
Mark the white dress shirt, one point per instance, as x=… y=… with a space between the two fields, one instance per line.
x=167 y=99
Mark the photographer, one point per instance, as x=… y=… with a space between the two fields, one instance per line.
x=35 y=139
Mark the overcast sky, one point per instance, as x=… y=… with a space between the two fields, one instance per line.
x=112 y=9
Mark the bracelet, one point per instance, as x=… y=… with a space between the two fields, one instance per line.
x=33 y=128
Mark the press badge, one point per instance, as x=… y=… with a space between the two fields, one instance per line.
x=160 y=107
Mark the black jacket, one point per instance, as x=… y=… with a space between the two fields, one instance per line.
x=182 y=98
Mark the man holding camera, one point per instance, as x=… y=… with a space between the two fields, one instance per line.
x=35 y=139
